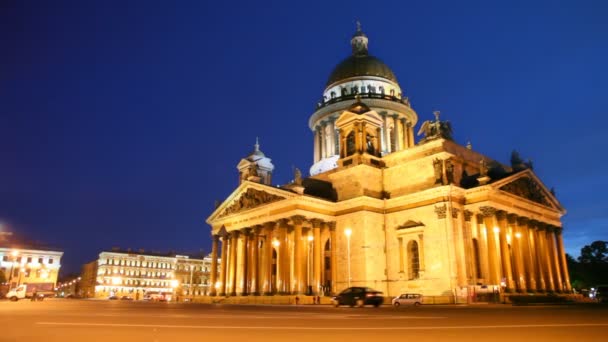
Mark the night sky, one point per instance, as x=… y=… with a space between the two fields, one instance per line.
x=121 y=122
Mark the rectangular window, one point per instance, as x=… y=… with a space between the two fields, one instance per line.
x=5 y=258
x=40 y=260
x=50 y=261
x=29 y=260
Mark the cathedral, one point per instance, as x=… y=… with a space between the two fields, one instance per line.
x=383 y=210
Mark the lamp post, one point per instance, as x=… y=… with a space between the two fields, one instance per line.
x=310 y=239
x=348 y=233
x=276 y=244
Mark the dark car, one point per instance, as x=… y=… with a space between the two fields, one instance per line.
x=126 y=298
x=358 y=296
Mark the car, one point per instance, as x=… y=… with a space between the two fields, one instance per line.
x=113 y=297
x=601 y=293
x=414 y=299
x=126 y=298
x=358 y=296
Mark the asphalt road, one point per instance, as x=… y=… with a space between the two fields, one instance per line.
x=90 y=320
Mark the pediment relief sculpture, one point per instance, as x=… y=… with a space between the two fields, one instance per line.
x=250 y=199
x=527 y=188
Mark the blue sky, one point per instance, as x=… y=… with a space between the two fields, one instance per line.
x=122 y=122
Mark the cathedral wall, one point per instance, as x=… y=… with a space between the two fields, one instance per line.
x=359 y=180
x=435 y=251
x=367 y=250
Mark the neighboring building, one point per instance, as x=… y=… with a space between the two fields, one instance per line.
x=380 y=210
x=21 y=263
x=136 y=274
x=88 y=279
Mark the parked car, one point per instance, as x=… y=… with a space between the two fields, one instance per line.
x=126 y=298
x=358 y=296
x=414 y=299
x=113 y=297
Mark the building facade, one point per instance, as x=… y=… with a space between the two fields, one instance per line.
x=381 y=210
x=29 y=264
x=137 y=274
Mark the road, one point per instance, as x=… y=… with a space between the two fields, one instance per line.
x=96 y=320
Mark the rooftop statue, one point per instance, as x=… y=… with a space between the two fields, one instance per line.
x=435 y=129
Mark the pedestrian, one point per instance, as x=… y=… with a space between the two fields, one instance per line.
x=34 y=294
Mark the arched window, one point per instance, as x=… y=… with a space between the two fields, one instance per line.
x=350 y=143
x=476 y=256
x=413 y=260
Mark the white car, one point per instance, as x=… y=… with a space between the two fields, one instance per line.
x=414 y=299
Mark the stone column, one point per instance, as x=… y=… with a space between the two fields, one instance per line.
x=410 y=130
x=519 y=272
x=317 y=154
x=562 y=258
x=554 y=259
x=223 y=265
x=255 y=262
x=214 y=243
x=334 y=261
x=537 y=248
x=323 y=141
x=233 y=261
x=283 y=262
x=471 y=271
x=245 y=253
x=268 y=287
x=495 y=270
x=546 y=257
x=387 y=135
x=316 y=256
x=298 y=281
x=505 y=253
x=396 y=135
x=332 y=137
x=482 y=235
x=405 y=135
x=529 y=254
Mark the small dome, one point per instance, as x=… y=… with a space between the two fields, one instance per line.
x=360 y=65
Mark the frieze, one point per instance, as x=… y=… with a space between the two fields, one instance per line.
x=527 y=188
x=250 y=199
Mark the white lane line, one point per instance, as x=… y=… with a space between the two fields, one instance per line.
x=257 y=327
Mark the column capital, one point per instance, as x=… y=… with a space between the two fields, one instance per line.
x=487 y=211
x=467 y=215
x=455 y=212
x=501 y=214
x=522 y=221
x=512 y=218
x=331 y=225
x=316 y=223
x=297 y=220
x=441 y=211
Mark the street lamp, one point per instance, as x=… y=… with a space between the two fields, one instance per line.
x=310 y=239
x=348 y=233
x=276 y=244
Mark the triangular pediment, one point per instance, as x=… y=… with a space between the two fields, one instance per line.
x=410 y=224
x=346 y=117
x=248 y=195
x=526 y=184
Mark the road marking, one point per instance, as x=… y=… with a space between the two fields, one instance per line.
x=257 y=327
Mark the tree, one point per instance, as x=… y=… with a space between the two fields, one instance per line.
x=596 y=253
